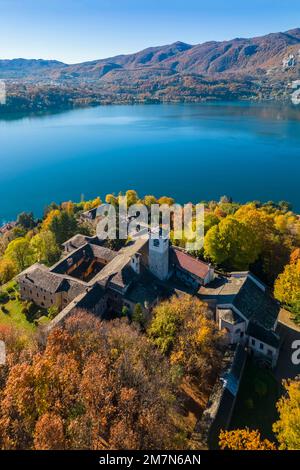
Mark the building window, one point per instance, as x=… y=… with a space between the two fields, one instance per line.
x=237 y=331
x=261 y=345
x=242 y=334
x=253 y=342
x=270 y=352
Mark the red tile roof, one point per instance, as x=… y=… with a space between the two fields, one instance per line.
x=190 y=264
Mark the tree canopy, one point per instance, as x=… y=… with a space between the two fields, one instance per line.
x=94 y=385
x=20 y=253
x=287 y=428
x=182 y=329
x=231 y=243
x=244 y=439
x=287 y=287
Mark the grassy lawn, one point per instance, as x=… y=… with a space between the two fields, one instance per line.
x=256 y=401
x=15 y=317
x=11 y=311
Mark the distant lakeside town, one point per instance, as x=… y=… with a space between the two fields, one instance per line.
x=256 y=69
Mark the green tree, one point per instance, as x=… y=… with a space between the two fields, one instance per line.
x=125 y=311
x=45 y=247
x=231 y=244
x=64 y=226
x=53 y=311
x=20 y=253
x=210 y=220
x=137 y=315
x=26 y=220
x=167 y=319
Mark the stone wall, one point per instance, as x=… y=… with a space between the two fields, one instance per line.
x=220 y=406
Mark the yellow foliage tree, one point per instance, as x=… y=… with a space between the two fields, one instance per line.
x=244 y=439
x=88 y=205
x=287 y=287
x=181 y=328
x=231 y=243
x=20 y=253
x=45 y=247
x=49 y=218
x=149 y=200
x=111 y=199
x=8 y=270
x=295 y=256
x=166 y=200
x=287 y=428
x=132 y=197
x=68 y=206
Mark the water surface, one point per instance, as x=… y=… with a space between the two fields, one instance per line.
x=191 y=152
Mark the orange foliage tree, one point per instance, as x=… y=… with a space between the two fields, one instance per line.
x=94 y=385
x=244 y=439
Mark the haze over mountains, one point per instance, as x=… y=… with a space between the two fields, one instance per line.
x=241 y=68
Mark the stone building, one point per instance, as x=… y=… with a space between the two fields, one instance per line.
x=246 y=311
x=145 y=271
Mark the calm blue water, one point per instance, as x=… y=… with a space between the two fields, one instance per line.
x=190 y=152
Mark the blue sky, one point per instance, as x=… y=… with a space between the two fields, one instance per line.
x=78 y=30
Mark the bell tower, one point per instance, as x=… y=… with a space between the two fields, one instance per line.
x=159 y=256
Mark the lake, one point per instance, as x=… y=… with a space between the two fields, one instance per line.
x=191 y=152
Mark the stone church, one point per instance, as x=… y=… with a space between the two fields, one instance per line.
x=146 y=271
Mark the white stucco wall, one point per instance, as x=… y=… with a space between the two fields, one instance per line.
x=260 y=348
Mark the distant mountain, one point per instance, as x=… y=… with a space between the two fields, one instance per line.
x=22 y=68
x=240 y=55
x=236 y=69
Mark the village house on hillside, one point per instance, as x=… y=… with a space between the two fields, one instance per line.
x=146 y=271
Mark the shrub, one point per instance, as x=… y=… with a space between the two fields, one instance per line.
x=125 y=311
x=52 y=311
x=4 y=297
x=138 y=315
x=30 y=310
x=10 y=289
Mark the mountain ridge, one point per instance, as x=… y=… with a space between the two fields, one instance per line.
x=178 y=71
x=209 y=57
